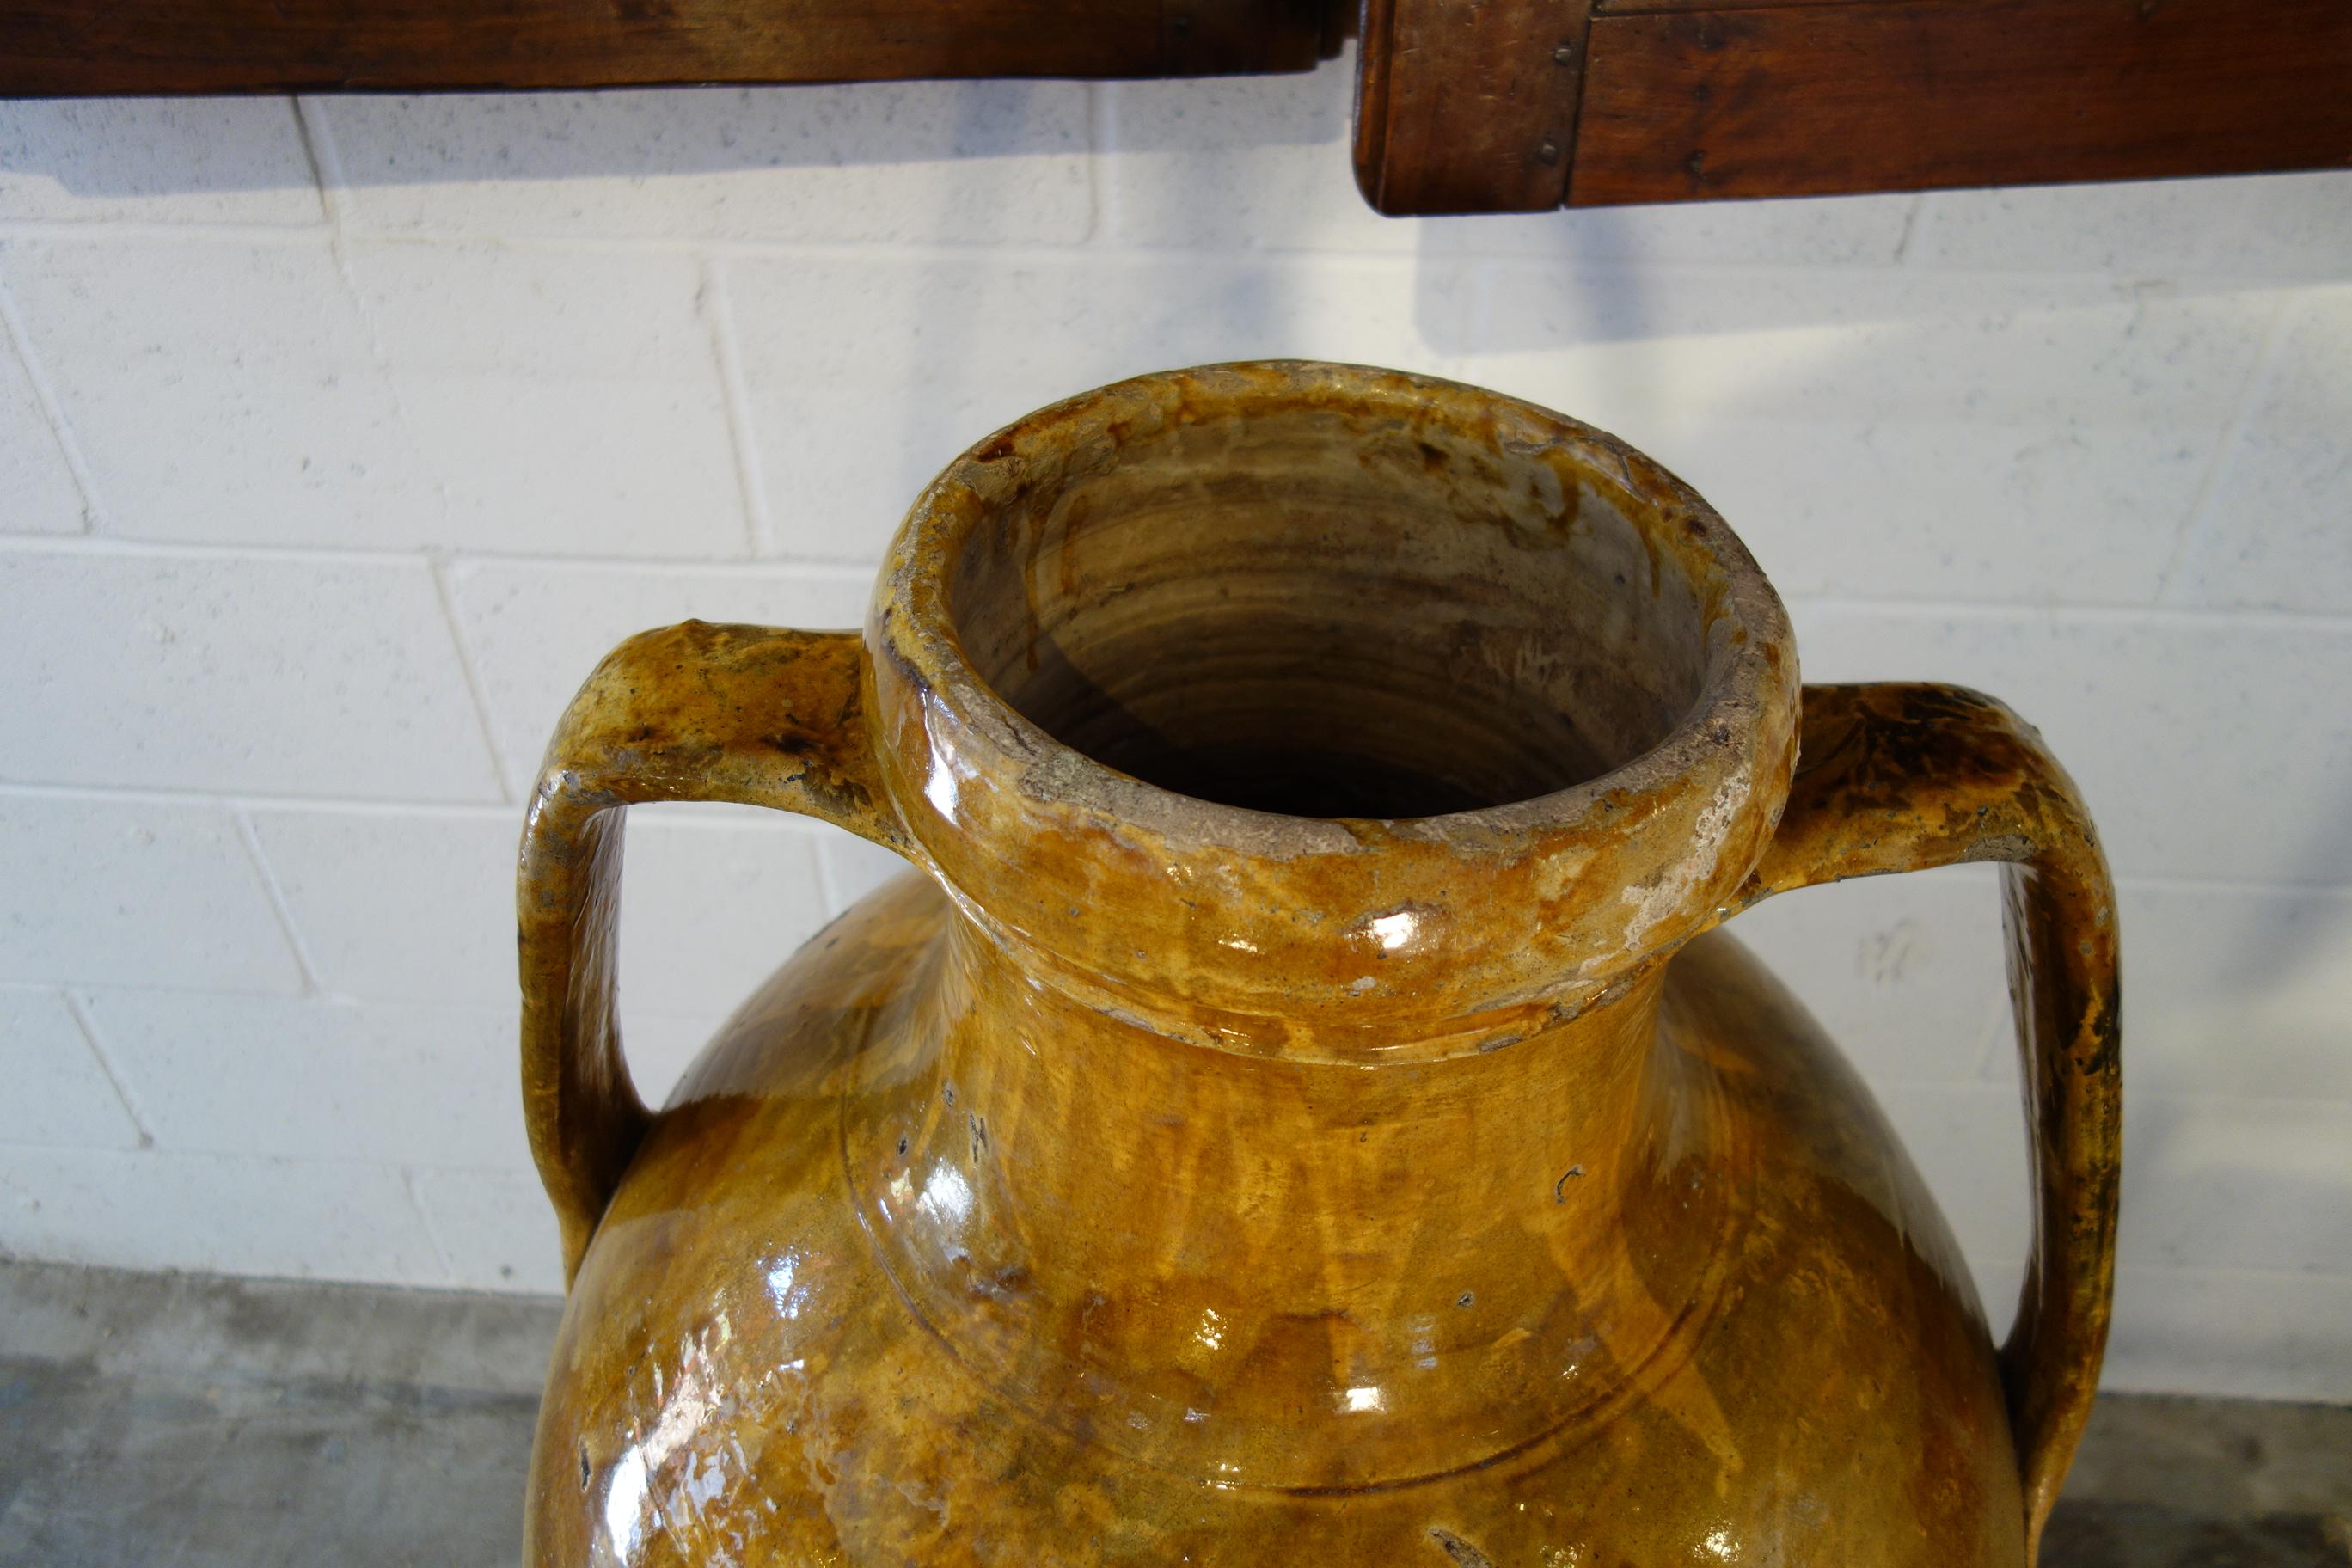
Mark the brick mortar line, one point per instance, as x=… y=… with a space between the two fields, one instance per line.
x=15 y=338
x=2197 y=526
x=860 y=576
x=718 y=308
x=313 y=983
x=1911 y=210
x=1092 y=252
x=317 y=140
x=812 y=568
x=161 y=1154
x=1993 y=609
x=75 y=991
x=78 y=1009
x=409 y=1176
x=705 y=815
x=444 y=597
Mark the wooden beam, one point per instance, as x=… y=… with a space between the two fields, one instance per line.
x=1467 y=106
x=84 y=47
x=1682 y=103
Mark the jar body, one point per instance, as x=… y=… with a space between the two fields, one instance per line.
x=743 y=1377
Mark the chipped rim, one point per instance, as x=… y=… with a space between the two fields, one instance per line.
x=970 y=745
x=914 y=609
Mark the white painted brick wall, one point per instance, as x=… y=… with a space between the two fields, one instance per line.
x=59 y=1094
x=339 y=439
x=312 y=674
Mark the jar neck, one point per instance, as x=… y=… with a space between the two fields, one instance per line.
x=1176 y=1250
x=1284 y=693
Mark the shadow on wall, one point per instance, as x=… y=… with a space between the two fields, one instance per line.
x=629 y=134
x=1258 y=163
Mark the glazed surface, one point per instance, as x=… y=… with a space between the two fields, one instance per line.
x=1676 y=1295
x=1180 y=1174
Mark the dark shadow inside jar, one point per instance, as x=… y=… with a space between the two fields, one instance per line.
x=1330 y=612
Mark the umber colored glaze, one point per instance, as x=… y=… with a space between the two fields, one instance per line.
x=1368 y=1154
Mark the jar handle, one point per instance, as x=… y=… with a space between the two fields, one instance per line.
x=694 y=712
x=1899 y=777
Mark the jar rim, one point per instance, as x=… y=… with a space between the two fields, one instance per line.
x=979 y=781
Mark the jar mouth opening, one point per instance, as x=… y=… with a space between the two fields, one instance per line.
x=1354 y=604
x=1315 y=708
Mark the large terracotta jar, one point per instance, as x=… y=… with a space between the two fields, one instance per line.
x=1299 y=1109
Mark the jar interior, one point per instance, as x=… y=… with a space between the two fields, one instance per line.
x=1334 y=612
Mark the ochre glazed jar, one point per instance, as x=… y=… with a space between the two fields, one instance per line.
x=1299 y=1111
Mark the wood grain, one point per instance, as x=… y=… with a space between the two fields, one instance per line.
x=57 y=47
x=1464 y=105
x=1467 y=106
x=1816 y=99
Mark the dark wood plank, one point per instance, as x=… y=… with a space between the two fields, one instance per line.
x=1645 y=7
x=1824 y=98
x=68 y=47
x=1467 y=106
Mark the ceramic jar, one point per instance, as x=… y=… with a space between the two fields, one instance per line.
x=1298 y=1108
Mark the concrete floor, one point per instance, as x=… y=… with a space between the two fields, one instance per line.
x=160 y=1421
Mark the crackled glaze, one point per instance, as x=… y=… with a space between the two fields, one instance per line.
x=1299 y=1111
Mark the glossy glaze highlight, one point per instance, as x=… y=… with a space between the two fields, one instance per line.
x=1300 y=1112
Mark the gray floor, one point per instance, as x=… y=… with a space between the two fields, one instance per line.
x=168 y=1422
